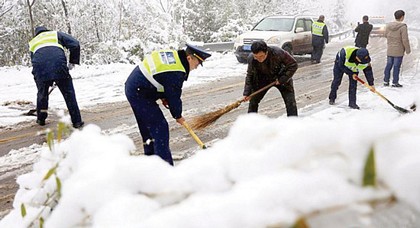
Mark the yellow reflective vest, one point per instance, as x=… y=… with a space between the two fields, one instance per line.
x=317 y=28
x=44 y=39
x=353 y=66
x=159 y=62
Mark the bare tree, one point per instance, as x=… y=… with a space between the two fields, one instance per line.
x=121 y=7
x=167 y=8
x=29 y=4
x=95 y=21
x=66 y=15
x=4 y=9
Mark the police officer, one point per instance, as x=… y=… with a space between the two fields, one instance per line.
x=351 y=60
x=319 y=39
x=49 y=64
x=160 y=76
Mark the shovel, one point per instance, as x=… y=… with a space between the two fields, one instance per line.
x=32 y=112
x=401 y=110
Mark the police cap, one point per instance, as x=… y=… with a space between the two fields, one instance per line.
x=40 y=29
x=198 y=53
x=363 y=55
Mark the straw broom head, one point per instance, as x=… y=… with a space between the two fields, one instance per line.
x=205 y=120
x=209 y=118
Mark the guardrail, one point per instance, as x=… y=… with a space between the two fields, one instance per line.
x=228 y=46
x=342 y=35
x=219 y=47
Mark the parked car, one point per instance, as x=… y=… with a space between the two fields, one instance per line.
x=378 y=24
x=292 y=33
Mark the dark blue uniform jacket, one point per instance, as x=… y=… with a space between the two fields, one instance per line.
x=50 y=63
x=321 y=40
x=172 y=82
x=341 y=59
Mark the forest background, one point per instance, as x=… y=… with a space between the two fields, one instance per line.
x=112 y=31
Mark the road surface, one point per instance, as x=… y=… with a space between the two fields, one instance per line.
x=312 y=83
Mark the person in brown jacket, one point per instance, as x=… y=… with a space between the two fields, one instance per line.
x=266 y=65
x=398 y=43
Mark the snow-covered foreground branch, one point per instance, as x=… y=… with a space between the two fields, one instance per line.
x=267 y=172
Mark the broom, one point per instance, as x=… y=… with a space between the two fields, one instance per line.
x=205 y=120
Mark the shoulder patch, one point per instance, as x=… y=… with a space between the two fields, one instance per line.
x=167 y=57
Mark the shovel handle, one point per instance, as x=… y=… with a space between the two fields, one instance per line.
x=195 y=137
x=370 y=88
x=401 y=110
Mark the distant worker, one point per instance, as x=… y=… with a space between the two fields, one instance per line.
x=266 y=65
x=363 y=31
x=161 y=75
x=319 y=39
x=398 y=43
x=351 y=60
x=49 y=64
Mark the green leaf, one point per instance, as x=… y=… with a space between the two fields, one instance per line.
x=57 y=180
x=369 y=175
x=50 y=172
x=41 y=222
x=61 y=131
x=50 y=139
x=22 y=210
x=301 y=223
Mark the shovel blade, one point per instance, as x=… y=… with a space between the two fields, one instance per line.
x=31 y=112
x=413 y=107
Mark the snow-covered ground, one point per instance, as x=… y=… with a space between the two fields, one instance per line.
x=267 y=172
x=93 y=85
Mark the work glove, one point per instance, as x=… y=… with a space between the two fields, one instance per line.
x=282 y=80
x=70 y=66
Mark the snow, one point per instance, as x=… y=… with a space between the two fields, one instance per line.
x=93 y=85
x=266 y=172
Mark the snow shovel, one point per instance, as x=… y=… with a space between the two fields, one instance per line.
x=32 y=112
x=195 y=137
x=401 y=110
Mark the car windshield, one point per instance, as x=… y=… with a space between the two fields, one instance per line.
x=274 y=24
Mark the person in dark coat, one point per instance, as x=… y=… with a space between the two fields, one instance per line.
x=363 y=31
x=49 y=64
x=266 y=65
x=319 y=39
x=350 y=60
x=160 y=76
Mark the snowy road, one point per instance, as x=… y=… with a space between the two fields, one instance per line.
x=312 y=84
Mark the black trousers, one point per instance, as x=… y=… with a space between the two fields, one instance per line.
x=67 y=90
x=288 y=94
x=317 y=52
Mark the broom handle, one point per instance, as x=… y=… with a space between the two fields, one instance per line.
x=195 y=137
x=262 y=89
